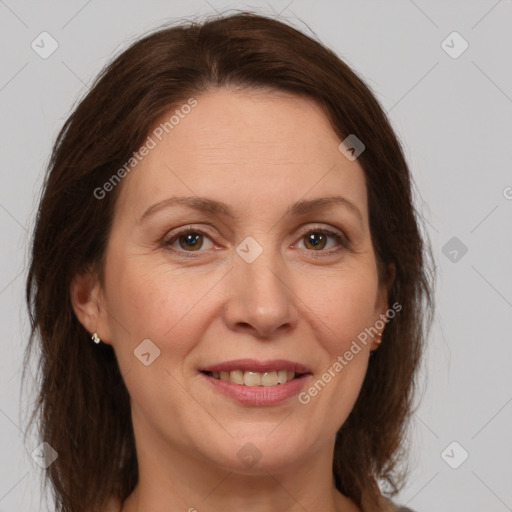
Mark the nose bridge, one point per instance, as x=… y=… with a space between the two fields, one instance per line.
x=259 y=267
x=259 y=296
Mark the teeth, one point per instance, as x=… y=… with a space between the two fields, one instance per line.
x=282 y=376
x=269 y=379
x=266 y=379
x=252 y=379
x=236 y=376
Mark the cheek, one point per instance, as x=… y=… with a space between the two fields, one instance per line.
x=345 y=303
x=341 y=310
x=152 y=300
x=156 y=303
x=344 y=307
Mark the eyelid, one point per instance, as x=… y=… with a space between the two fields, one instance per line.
x=342 y=239
x=335 y=233
x=174 y=234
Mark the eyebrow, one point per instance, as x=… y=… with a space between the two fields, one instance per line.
x=205 y=204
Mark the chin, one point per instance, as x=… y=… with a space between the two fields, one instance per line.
x=257 y=454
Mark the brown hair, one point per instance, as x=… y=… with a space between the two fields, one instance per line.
x=83 y=406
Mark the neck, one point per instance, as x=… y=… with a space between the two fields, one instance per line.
x=171 y=479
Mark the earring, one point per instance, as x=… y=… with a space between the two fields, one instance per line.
x=95 y=338
x=378 y=341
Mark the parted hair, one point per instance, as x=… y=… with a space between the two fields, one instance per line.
x=82 y=408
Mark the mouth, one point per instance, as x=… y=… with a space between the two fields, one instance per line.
x=257 y=383
x=253 y=378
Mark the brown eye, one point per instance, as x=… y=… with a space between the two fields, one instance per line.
x=316 y=240
x=191 y=241
x=188 y=241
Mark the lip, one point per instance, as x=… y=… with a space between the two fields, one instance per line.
x=253 y=365
x=258 y=395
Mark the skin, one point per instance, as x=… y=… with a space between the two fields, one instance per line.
x=259 y=152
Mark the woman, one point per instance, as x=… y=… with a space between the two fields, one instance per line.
x=228 y=215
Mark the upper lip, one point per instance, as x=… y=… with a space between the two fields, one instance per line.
x=248 y=365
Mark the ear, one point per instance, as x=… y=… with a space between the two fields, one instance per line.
x=382 y=302
x=386 y=282
x=89 y=305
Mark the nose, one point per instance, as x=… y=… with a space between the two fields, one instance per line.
x=260 y=301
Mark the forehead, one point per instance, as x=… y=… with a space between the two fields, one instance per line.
x=242 y=148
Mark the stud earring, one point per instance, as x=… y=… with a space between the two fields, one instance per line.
x=95 y=338
x=378 y=341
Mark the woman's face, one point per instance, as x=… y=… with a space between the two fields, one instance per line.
x=248 y=273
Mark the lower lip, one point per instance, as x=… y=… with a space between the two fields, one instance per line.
x=258 y=395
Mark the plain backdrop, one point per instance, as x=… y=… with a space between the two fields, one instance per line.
x=452 y=108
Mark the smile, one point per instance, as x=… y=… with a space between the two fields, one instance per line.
x=257 y=383
x=250 y=378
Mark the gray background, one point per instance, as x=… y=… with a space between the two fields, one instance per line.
x=454 y=116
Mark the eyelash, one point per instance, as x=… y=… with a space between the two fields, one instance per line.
x=342 y=240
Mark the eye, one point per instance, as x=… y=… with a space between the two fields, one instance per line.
x=316 y=240
x=187 y=240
